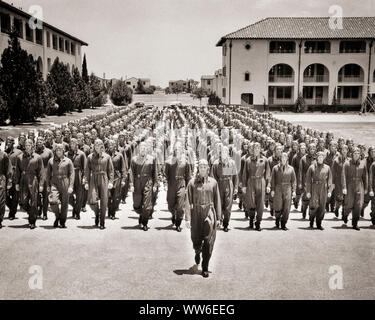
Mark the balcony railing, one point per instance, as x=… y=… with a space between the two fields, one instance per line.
x=315 y=101
x=310 y=50
x=351 y=78
x=275 y=101
x=282 y=51
x=316 y=78
x=281 y=78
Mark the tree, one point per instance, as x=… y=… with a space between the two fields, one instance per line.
x=3 y=107
x=199 y=93
x=121 y=94
x=82 y=92
x=62 y=86
x=140 y=87
x=98 y=95
x=22 y=86
x=85 y=74
x=213 y=99
x=300 y=104
x=177 y=88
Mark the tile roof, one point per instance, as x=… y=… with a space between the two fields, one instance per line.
x=305 y=28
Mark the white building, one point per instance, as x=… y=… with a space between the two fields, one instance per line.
x=133 y=82
x=271 y=61
x=208 y=83
x=44 y=44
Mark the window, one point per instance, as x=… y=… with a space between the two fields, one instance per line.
x=29 y=33
x=5 y=22
x=308 y=92
x=283 y=92
x=351 y=92
x=282 y=47
x=352 y=47
x=39 y=36
x=67 y=47
x=49 y=64
x=128 y=83
x=317 y=47
x=72 y=49
x=18 y=25
x=224 y=92
x=54 y=41
x=208 y=82
x=224 y=71
x=247 y=76
x=352 y=70
x=61 y=44
x=48 y=39
x=224 y=50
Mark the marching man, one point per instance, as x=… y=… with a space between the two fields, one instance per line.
x=99 y=179
x=318 y=188
x=60 y=180
x=204 y=215
x=283 y=189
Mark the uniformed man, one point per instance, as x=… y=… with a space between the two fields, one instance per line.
x=99 y=179
x=6 y=173
x=46 y=154
x=283 y=190
x=355 y=185
x=145 y=179
x=305 y=163
x=328 y=160
x=120 y=175
x=60 y=181
x=225 y=173
x=204 y=215
x=12 y=194
x=371 y=183
x=29 y=180
x=273 y=161
x=256 y=182
x=78 y=159
x=318 y=188
x=178 y=174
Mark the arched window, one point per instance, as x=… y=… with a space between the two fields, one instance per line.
x=247 y=76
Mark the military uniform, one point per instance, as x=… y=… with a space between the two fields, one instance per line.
x=12 y=194
x=318 y=185
x=99 y=174
x=78 y=159
x=205 y=211
x=6 y=172
x=283 y=184
x=46 y=154
x=60 y=177
x=29 y=176
x=120 y=175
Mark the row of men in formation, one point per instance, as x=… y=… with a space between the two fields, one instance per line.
x=206 y=158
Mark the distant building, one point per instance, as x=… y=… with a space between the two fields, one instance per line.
x=187 y=85
x=208 y=83
x=133 y=82
x=45 y=44
x=275 y=59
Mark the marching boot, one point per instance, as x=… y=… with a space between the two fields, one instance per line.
x=283 y=226
x=96 y=220
x=271 y=212
x=246 y=215
x=319 y=225
x=304 y=210
x=345 y=219
x=337 y=212
x=277 y=223
x=295 y=204
x=373 y=219
x=251 y=224
x=173 y=219
x=266 y=203
x=362 y=212
x=311 y=223
x=56 y=223
x=205 y=274
x=355 y=227
x=257 y=226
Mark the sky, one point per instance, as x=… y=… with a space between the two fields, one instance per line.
x=168 y=39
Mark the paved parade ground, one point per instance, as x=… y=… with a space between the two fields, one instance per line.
x=124 y=262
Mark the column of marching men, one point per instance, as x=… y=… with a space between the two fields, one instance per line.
x=205 y=157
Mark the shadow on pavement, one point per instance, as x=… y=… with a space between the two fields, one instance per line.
x=308 y=229
x=48 y=227
x=136 y=227
x=244 y=228
x=343 y=227
x=88 y=227
x=191 y=271
x=169 y=227
x=20 y=226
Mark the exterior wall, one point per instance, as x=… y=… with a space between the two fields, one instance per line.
x=208 y=84
x=258 y=61
x=41 y=50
